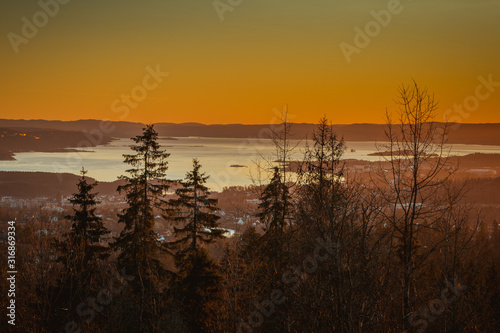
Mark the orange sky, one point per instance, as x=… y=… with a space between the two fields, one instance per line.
x=86 y=59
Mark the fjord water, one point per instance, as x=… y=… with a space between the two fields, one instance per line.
x=219 y=156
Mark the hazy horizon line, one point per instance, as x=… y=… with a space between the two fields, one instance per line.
x=220 y=124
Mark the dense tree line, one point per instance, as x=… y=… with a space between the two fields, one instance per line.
x=402 y=252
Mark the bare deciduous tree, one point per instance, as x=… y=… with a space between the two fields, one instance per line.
x=413 y=182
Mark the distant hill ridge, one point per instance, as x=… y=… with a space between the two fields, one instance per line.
x=16 y=139
x=39 y=184
x=484 y=134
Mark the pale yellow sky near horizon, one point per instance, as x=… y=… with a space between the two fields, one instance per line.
x=109 y=59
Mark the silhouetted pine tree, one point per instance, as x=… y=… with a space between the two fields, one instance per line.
x=274 y=209
x=272 y=206
x=197 y=285
x=321 y=175
x=80 y=251
x=195 y=210
x=140 y=250
x=323 y=204
x=275 y=213
x=87 y=229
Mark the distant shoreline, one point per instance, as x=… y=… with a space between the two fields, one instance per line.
x=70 y=134
x=38 y=183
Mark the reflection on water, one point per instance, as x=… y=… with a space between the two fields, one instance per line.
x=217 y=155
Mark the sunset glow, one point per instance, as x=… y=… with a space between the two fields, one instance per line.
x=261 y=56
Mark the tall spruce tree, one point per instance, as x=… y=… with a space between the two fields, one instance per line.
x=80 y=251
x=84 y=238
x=139 y=249
x=197 y=285
x=196 y=211
x=274 y=213
x=272 y=206
x=321 y=181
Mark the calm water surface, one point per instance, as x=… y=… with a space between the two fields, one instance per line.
x=216 y=155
